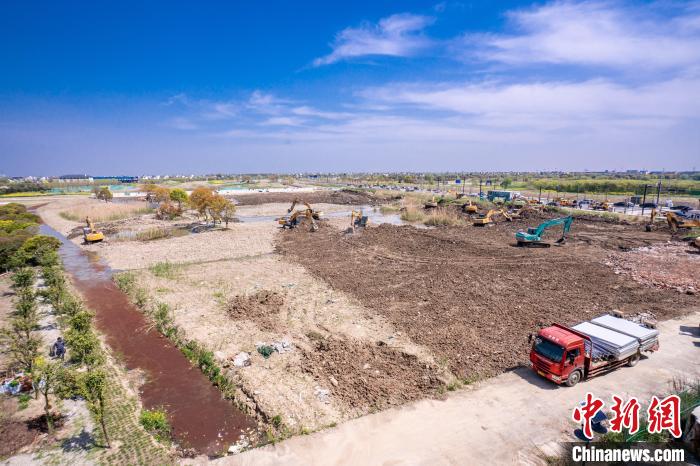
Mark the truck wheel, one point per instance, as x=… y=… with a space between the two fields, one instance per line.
x=633 y=361
x=574 y=378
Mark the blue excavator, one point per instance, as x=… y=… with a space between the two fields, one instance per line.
x=533 y=236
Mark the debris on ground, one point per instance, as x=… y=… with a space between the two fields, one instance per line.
x=242 y=359
x=322 y=394
x=282 y=346
x=266 y=349
x=662 y=266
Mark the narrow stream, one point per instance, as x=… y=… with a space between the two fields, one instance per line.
x=201 y=419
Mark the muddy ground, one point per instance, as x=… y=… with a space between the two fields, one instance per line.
x=345 y=197
x=472 y=297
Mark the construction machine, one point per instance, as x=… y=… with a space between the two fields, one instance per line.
x=488 y=219
x=90 y=234
x=676 y=221
x=295 y=217
x=432 y=204
x=533 y=236
x=470 y=208
x=605 y=206
x=358 y=220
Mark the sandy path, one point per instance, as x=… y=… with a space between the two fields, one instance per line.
x=505 y=420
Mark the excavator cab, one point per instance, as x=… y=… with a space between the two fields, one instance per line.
x=90 y=234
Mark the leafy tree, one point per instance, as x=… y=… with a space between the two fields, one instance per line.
x=506 y=183
x=220 y=207
x=94 y=390
x=23 y=278
x=229 y=212
x=47 y=376
x=22 y=351
x=161 y=194
x=82 y=341
x=104 y=194
x=201 y=199
x=180 y=196
x=37 y=250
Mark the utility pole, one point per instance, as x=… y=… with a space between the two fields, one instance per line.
x=658 y=192
x=644 y=198
x=481 y=196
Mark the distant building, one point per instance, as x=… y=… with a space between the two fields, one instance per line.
x=75 y=179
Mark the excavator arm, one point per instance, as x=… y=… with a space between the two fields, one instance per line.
x=534 y=235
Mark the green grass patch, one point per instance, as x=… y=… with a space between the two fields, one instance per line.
x=165 y=270
x=156 y=423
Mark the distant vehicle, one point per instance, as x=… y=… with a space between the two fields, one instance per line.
x=648 y=205
x=552 y=204
x=623 y=204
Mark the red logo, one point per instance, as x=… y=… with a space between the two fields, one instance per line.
x=625 y=415
x=585 y=413
x=665 y=415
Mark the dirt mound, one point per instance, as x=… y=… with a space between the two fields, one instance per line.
x=369 y=376
x=661 y=266
x=469 y=294
x=345 y=196
x=262 y=308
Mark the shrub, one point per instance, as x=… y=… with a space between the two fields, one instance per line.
x=23 y=278
x=125 y=281
x=156 y=422
x=38 y=250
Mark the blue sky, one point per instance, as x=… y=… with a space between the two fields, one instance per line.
x=185 y=87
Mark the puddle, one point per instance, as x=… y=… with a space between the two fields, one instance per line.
x=200 y=417
x=374 y=214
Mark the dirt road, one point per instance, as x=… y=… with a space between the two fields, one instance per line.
x=510 y=419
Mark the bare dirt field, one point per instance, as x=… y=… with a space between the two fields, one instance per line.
x=375 y=319
x=472 y=297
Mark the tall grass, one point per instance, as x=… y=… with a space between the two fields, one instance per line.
x=105 y=211
x=443 y=217
x=412 y=214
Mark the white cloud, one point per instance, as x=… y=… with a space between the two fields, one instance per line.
x=553 y=105
x=283 y=121
x=314 y=112
x=593 y=33
x=397 y=35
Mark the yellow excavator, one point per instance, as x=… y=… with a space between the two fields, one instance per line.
x=675 y=221
x=488 y=219
x=90 y=234
x=295 y=217
x=358 y=220
x=470 y=208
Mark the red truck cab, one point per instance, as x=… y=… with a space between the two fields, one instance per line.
x=558 y=354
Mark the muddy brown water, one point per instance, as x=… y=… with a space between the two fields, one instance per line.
x=201 y=419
